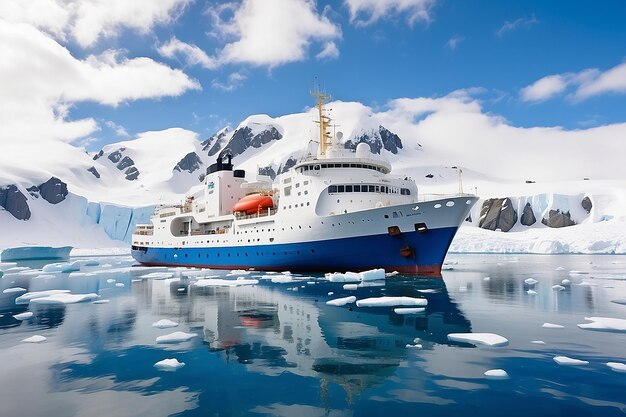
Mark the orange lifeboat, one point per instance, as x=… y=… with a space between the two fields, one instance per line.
x=253 y=203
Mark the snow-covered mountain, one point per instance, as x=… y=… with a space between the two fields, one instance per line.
x=53 y=192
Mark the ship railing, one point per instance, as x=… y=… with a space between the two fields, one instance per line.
x=260 y=213
x=430 y=197
x=144 y=230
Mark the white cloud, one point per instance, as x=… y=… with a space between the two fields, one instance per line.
x=191 y=54
x=366 y=12
x=330 y=51
x=119 y=130
x=235 y=80
x=522 y=22
x=454 y=42
x=585 y=84
x=89 y=20
x=270 y=32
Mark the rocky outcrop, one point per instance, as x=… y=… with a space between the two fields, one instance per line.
x=497 y=213
x=131 y=173
x=94 y=171
x=215 y=142
x=13 y=201
x=291 y=161
x=557 y=219
x=190 y=163
x=98 y=155
x=528 y=216
x=33 y=190
x=125 y=163
x=243 y=139
x=268 y=171
x=383 y=138
x=587 y=205
x=53 y=191
x=391 y=141
x=115 y=156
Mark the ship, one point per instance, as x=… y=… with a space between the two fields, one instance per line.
x=337 y=210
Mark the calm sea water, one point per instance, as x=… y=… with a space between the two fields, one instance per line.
x=277 y=349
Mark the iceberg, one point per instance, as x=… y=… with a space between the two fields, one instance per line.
x=369 y=275
x=35 y=252
x=564 y=360
x=169 y=364
x=35 y=339
x=13 y=290
x=341 y=301
x=409 y=310
x=350 y=287
x=164 y=324
x=488 y=339
x=64 y=298
x=26 y=298
x=496 y=374
x=604 y=324
x=617 y=366
x=175 y=337
x=391 y=302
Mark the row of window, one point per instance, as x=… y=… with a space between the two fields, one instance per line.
x=343 y=165
x=366 y=188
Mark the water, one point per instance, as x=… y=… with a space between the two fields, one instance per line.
x=278 y=349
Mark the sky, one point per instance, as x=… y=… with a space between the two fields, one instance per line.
x=94 y=72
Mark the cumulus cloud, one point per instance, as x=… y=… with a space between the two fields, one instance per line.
x=190 y=54
x=584 y=84
x=270 y=32
x=454 y=42
x=367 y=12
x=522 y=22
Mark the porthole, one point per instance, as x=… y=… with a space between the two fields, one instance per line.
x=449 y=203
x=468 y=202
x=437 y=205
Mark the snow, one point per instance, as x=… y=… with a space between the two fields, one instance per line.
x=13 y=290
x=35 y=339
x=164 y=323
x=496 y=374
x=341 y=301
x=551 y=326
x=175 y=337
x=617 y=366
x=489 y=339
x=216 y=282
x=64 y=298
x=391 y=301
x=606 y=324
x=564 y=360
x=169 y=364
x=23 y=316
x=26 y=298
x=409 y=310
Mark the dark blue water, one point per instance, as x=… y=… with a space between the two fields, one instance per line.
x=278 y=349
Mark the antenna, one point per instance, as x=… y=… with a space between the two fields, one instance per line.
x=323 y=120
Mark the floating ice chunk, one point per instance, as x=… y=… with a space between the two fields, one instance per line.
x=350 y=287
x=408 y=310
x=119 y=284
x=372 y=274
x=531 y=292
x=313 y=283
x=560 y=268
x=216 y=282
x=175 y=337
x=391 y=274
x=487 y=279
x=169 y=364
x=587 y=284
x=538 y=342
x=429 y=291
x=238 y=272
x=347 y=277
x=551 y=326
x=605 y=324
x=281 y=279
x=29 y=296
x=164 y=324
x=415 y=346
x=23 y=316
x=463 y=288
x=619 y=301
x=101 y=302
x=64 y=298
x=489 y=339
x=110 y=281
x=496 y=374
x=341 y=301
x=158 y=275
x=617 y=366
x=530 y=281
x=564 y=360
x=35 y=339
x=330 y=292
x=62 y=267
x=566 y=282
x=558 y=287
x=13 y=290
x=15 y=269
x=391 y=301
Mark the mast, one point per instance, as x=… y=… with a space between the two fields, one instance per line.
x=323 y=121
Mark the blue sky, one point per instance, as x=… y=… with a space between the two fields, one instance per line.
x=377 y=51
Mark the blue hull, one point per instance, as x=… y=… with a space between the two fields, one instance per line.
x=426 y=252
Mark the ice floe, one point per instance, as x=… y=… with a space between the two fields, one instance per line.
x=496 y=374
x=158 y=275
x=409 y=310
x=414 y=346
x=531 y=292
x=606 y=324
x=587 y=284
x=169 y=364
x=238 y=272
x=341 y=301
x=23 y=316
x=216 y=282
x=621 y=301
x=370 y=275
x=101 y=302
x=489 y=339
x=564 y=360
x=13 y=290
x=486 y=278
x=350 y=287
x=566 y=282
x=64 y=298
x=429 y=291
x=119 y=284
x=558 y=287
x=29 y=296
x=551 y=326
x=35 y=339
x=538 y=342
x=530 y=281
x=175 y=337
x=391 y=302
x=281 y=279
x=617 y=366
x=164 y=324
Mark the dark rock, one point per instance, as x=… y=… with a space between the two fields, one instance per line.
x=558 y=219
x=215 y=142
x=190 y=163
x=429 y=176
x=33 y=191
x=291 y=161
x=391 y=141
x=125 y=163
x=115 y=156
x=53 y=191
x=13 y=201
x=94 y=171
x=132 y=173
x=243 y=139
x=497 y=213
x=587 y=205
x=201 y=177
x=377 y=140
x=98 y=155
x=528 y=216
x=268 y=170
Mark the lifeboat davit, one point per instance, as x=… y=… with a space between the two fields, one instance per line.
x=253 y=203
